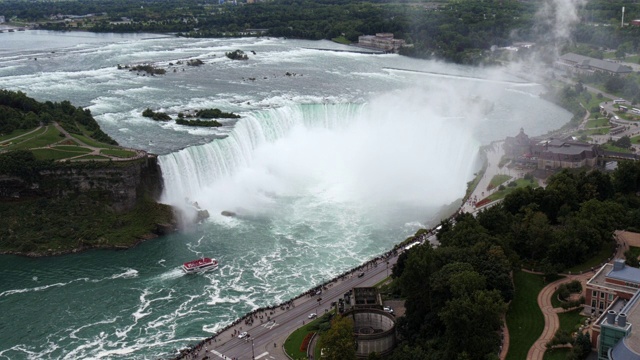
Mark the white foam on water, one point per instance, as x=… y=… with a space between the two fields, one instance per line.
x=36 y=289
x=74 y=332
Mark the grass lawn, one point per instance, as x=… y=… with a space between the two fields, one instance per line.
x=497 y=180
x=519 y=183
x=45 y=136
x=570 y=321
x=597 y=123
x=595 y=261
x=49 y=154
x=293 y=342
x=635 y=140
x=92 y=157
x=632 y=59
x=13 y=134
x=341 y=40
x=602 y=131
x=594 y=101
x=524 y=317
x=118 y=153
x=71 y=148
x=615 y=148
x=89 y=141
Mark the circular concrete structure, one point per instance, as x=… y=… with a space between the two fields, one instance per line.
x=374 y=330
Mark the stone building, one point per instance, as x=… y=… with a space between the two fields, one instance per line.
x=557 y=154
x=374 y=329
x=517 y=146
x=381 y=41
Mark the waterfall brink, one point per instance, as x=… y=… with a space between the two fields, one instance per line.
x=187 y=172
x=392 y=153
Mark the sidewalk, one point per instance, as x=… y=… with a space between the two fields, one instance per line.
x=494 y=155
x=551 y=321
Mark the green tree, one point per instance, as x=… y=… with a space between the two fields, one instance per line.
x=472 y=323
x=626 y=177
x=339 y=342
x=624 y=142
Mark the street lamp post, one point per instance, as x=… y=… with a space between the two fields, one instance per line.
x=253 y=354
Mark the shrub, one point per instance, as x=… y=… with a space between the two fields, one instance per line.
x=305 y=342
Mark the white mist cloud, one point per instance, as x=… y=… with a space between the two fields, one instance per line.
x=557 y=18
x=405 y=149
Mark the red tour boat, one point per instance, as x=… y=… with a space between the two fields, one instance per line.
x=199 y=265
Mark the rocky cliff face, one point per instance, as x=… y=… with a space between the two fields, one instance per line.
x=121 y=183
x=81 y=206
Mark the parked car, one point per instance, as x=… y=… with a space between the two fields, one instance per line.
x=243 y=334
x=388 y=309
x=361 y=274
x=313 y=315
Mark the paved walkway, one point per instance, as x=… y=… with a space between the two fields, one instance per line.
x=551 y=321
x=494 y=155
x=9 y=140
x=269 y=328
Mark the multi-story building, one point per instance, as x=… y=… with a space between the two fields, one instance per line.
x=612 y=281
x=555 y=154
x=613 y=294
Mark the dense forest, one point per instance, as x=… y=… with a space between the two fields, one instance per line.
x=460 y=31
x=462 y=286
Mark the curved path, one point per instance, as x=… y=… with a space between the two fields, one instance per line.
x=6 y=141
x=551 y=321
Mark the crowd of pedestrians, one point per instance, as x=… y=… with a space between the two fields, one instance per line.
x=264 y=314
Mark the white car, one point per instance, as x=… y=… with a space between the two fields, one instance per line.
x=313 y=315
x=388 y=309
x=243 y=334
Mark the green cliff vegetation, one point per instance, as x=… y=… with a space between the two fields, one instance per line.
x=56 y=225
x=156 y=115
x=201 y=123
x=65 y=185
x=149 y=69
x=215 y=114
x=18 y=111
x=236 y=55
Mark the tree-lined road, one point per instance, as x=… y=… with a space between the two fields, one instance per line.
x=276 y=325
